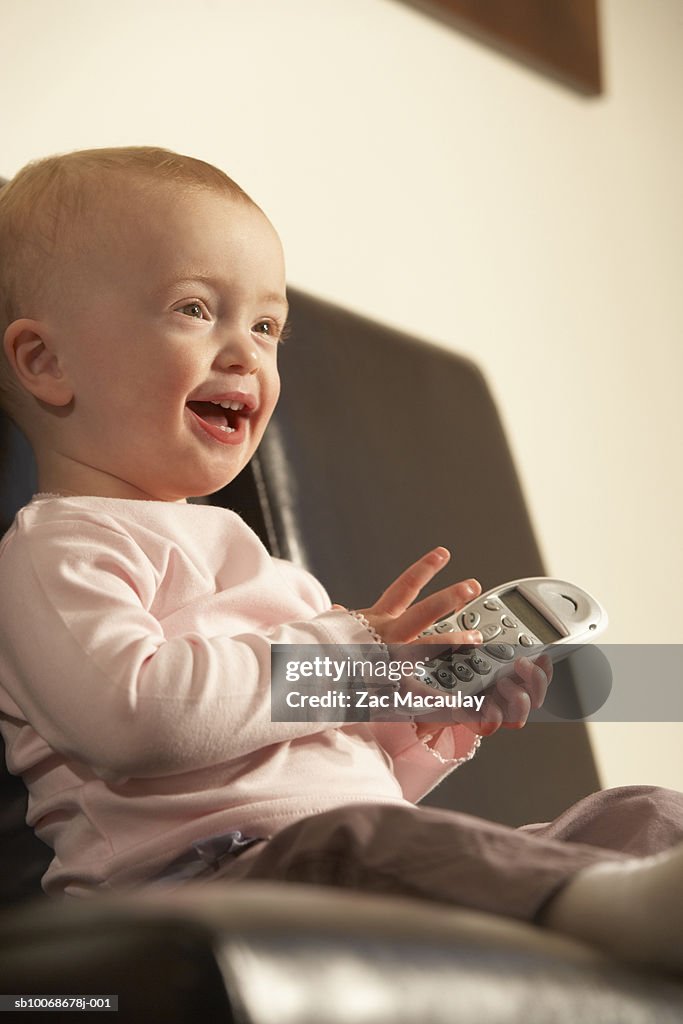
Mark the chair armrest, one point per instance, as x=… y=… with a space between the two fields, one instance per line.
x=267 y=953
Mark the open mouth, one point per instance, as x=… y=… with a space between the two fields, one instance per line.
x=222 y=420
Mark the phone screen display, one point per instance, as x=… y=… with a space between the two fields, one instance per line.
x=531 y=617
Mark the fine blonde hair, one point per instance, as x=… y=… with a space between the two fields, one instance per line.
x=48 y=205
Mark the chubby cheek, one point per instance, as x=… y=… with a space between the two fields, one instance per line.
x=161 y=385
x=273 y=392
x=269 y=396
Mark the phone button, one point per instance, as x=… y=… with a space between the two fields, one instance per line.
x=492 y=606
x=503 y=652
x=490 y=630
x=445 y=678
x=470 y=620
x=526 y=641
x=508 y=622
x=445 y=627
x=480 y=665
x=463 y=672
x=425 y=677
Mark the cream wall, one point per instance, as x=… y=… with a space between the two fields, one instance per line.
x=433 y=184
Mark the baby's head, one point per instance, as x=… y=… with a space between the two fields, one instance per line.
x=138 y=289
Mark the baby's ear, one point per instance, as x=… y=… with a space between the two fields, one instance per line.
x=30 y=353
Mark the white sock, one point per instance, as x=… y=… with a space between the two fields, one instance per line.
x=633 y=909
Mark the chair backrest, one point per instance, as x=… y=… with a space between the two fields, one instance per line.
x=383 y=446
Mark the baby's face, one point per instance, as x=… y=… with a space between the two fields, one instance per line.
x=178 y=309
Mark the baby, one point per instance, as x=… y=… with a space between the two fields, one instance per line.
x=143 y=302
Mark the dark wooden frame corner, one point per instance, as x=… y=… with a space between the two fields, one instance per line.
x=560 y=38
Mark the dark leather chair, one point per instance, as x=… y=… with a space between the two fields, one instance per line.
x=382 y=447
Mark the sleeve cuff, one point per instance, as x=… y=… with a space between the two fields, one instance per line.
x=451 y=746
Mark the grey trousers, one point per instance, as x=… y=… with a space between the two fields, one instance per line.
x=459 y=859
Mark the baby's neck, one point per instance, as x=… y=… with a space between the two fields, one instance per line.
x=94 y=485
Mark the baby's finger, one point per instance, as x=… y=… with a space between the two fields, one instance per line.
x=542 y=676
x=545 y=662
x=534 y=676
x=403 y=591
x=514 y=702
x=437 y=606
x=444 y=641
x=490 y=719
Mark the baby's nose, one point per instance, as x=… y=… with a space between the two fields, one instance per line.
x=239 y=353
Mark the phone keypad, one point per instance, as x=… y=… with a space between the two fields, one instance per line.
x=474 y=668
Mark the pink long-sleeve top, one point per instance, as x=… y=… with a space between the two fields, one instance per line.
x=135 y=689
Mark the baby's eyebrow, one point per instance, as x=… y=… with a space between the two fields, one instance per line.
x=187 y=279
x=276 y=298
x=183 y=280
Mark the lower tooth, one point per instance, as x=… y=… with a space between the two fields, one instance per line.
x=228 y=430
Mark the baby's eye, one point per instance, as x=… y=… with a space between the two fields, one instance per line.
x=192 y=309
x=270 y=329
x=266 y=329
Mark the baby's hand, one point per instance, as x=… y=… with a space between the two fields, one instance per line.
x=512 y=697
x=506 y=705
x=398 y=621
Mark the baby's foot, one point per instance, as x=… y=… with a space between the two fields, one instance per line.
x=633 y=909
